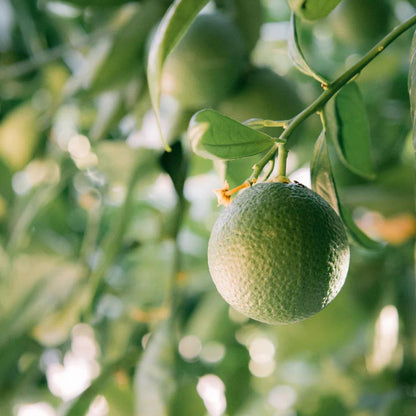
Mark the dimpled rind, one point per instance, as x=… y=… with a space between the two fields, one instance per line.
x=278 y=253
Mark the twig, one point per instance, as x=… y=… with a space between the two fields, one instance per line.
x=331 y=90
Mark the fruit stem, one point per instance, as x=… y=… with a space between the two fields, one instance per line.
x=330 y=90
x=224 y=194
x=282 y=158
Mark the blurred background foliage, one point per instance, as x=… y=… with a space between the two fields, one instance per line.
x=107 y=306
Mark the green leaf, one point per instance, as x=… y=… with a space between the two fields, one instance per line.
x=313 y=9
x=412 y=80
x=175 y=164
x=296 y=54
x=215 y=136
x=321 y=174
x=155 y=378
x=323 y=183
x=171 y=28
x=346 y=124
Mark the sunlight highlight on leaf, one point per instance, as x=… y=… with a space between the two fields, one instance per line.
x=215 y=136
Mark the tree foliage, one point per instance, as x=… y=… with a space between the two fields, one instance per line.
x=106 y=207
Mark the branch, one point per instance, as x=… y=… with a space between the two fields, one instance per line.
x=331 y=90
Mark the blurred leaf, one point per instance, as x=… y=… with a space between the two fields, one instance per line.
x=95 y=3
x=331 y=405
x=11 y=377
x=312 y=9
x=110 y=110
x=116 y=160
x=248 y=16
x=19 y=135
x=155 y=377
x=404 y=405
x=119 y=395
x=172 y=27
x=29 y=206
x=27 y=24
x=175 y=164
x=209 y=321
x=82 y=403
x=6 y=189
x=186 y=401
x=215 y=136
x=235 y=366
x=412 y=80
x=112 y=242
x=40 y=285
x=153 y=263
x=55 y=75
x=54 y=328
x=346 y=124
x=295 y=51
x=121 y=59
x=323 y=183
x=15 y=322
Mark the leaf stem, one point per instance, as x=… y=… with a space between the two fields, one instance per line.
x=330 y=90
x=259 y=123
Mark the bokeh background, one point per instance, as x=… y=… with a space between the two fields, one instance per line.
x=106 y=303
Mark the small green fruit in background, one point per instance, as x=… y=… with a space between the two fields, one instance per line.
x=263 y=94
x=360 y=23
x=206 y=64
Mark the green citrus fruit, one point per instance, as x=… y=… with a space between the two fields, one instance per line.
x=359 y=23
x=248 y=16
x=263 y=94
x=309 y=10
x=278 y=253
x=207 y=62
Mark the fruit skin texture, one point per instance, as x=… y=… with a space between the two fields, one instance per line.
x=207 y=62
x=278 y=253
